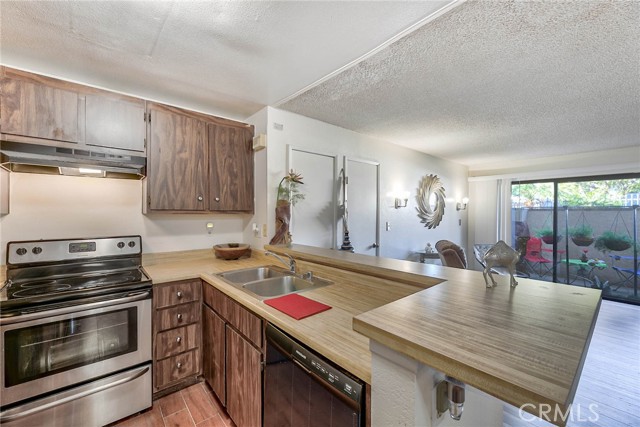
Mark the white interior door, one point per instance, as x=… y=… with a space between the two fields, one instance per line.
x=313 y=220
x=363 y=205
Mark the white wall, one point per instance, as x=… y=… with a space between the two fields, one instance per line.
x=259 y=121
x=52 y=207
x=399 y=167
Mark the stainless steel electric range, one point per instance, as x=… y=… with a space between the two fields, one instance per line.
x=75 y=323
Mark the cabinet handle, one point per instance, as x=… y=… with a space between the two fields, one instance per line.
x=179 y=339
x=200 y=198
x=217 y=199
x=179 y=365
x=179 y=316
x=179 y=294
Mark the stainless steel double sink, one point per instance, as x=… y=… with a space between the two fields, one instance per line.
x=268 y=282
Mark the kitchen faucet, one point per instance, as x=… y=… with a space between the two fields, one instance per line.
x=291 y=264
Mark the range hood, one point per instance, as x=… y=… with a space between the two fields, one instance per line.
x=82 y=161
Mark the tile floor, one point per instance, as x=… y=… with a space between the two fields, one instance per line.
x=192 y=406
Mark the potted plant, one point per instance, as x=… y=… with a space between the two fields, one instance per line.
x=546 y=234
x=581 y=235
x=288 y=195
x=611 y=241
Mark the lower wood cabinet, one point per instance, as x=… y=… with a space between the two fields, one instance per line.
x=213 y=345
x=244 y=380
x=176 y=334
x=233 y=344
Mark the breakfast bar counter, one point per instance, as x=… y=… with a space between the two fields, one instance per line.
x=524 y=345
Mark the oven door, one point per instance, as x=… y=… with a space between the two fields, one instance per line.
x=49 y=350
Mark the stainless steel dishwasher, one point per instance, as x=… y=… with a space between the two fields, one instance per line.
x=304 y=389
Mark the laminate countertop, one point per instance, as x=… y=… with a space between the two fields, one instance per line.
x=522 y=345
x=329 y=333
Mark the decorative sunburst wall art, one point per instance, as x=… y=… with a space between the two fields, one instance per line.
x=430 y=198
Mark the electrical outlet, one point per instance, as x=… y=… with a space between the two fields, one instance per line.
x=256 y=230
x=387 y=226
x=264 y=230
x=209 y=227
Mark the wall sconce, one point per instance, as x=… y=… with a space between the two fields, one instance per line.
x=460 y=206
x=400 y=199
x=400 y=203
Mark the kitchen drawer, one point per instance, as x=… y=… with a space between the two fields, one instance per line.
x=177 y=368
x=176 y=341
x=178 y=315
x=167 y=295
x=247 y=323
x=215 y=299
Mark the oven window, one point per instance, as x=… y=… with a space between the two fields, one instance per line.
x=47 y=349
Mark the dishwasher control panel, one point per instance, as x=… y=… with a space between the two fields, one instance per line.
x=320 y=368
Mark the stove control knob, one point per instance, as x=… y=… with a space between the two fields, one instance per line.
x=37 y=250
x=132 y=244
x=21 y=251
x=121 y=245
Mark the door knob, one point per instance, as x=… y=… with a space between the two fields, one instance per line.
x=217 y=199
x=375 y=245
x=200 y=198
x=179 y=316
x=179 y=294
x=179 y=365
x=179 y=339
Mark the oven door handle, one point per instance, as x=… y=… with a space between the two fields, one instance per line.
x=17 y=413
x=131 y=297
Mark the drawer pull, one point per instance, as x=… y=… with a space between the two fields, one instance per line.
x=179 y=316
x=179 y=365
x=179 y=339
x=179 y=294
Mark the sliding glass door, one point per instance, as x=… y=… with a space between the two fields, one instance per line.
x=581 y=232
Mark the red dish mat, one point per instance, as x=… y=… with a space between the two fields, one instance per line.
x=297 y=306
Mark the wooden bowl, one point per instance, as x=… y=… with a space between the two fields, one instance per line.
x=231 y=250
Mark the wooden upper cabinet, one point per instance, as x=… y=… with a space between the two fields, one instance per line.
x=176 y=160
x=115 y=122
x=35 y=109
x=230 y=168
x=42 y=110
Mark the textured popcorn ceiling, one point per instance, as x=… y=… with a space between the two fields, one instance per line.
x=484 y=84
x=230 y=58
x=496 y=81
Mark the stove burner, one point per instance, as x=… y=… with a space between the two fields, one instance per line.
x=41 y=290
x=73 y=283
x=38 y=284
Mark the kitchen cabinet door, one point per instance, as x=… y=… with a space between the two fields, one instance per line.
x=244 y=381
x=35 y=109
x=115 y=122
x=176 y=161
x=230 y=168
x=213 y=342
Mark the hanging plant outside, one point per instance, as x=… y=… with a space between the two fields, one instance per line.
x=611 y=241
x=546 y=234
x=581 y=235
